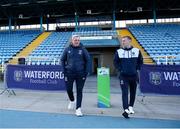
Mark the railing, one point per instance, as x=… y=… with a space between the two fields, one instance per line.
x=159 y=60
x=166 y=60
x=42 y=61
x=33 y=61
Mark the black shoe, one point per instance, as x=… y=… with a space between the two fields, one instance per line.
x=125 y=114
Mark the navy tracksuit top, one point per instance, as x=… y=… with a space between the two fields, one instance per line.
x=128 y=61
x=75 y=60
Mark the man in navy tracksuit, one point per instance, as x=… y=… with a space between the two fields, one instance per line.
x=127 y=61
x=75 y=62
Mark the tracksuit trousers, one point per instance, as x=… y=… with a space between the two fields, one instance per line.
x=80 y=80
x=128 y=83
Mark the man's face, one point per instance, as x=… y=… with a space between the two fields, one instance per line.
x=126 y=42
x=76 y=41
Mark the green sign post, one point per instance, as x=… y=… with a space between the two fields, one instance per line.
x=103 y=82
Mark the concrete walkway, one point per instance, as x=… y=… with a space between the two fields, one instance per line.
x=153 y=107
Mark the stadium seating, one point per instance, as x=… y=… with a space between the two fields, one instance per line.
x=161 y=41
x=14 y=41
x=96 y=31
x=50 y=50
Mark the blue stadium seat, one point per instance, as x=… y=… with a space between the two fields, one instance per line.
x=162 y=39
x=51 y=48
x=12 y=42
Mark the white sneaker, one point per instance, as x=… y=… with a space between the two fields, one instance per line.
x=131 y=110
x=78 y=112
x=127 y=111
x=71 y=105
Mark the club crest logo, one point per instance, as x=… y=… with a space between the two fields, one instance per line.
x=80 y=52
x=155 y=78
x=121 y=82
x=18 y=75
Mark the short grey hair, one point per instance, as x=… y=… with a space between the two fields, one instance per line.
x=73 y=36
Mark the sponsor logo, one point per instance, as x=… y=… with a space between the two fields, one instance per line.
x=103 y=71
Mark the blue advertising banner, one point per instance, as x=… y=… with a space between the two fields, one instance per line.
x=163 y=79
x=35 y=77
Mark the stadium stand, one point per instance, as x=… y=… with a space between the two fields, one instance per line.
x=29 y=48
x=162 y=42
x=50 y=50
x=82 y=29
x=101 y=41
x=13 y=42
x=96 y=33
x=146 y=58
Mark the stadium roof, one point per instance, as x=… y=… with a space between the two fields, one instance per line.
x=64 y=10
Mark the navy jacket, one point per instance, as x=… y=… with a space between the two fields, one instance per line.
x=128 y=61
x=75 y=60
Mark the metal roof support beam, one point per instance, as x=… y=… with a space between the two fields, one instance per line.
x=10 y=21
x=114 y=20
x=41 y=22
x=114 y=15
x=47 y=22
x=76 y=22
x=154 y=11
x=47 y=25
